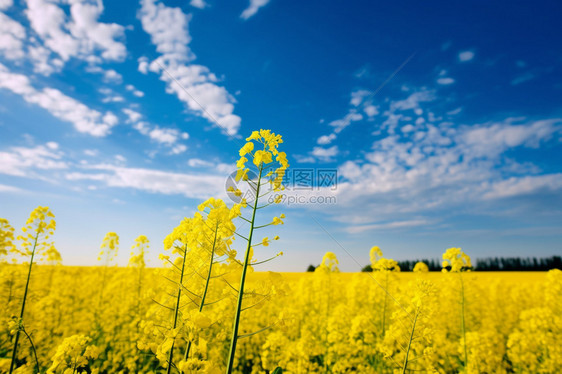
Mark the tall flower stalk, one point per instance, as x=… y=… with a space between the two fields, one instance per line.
x=199 y=242
x=458 y=262
x=176 y=310
x=109 y=248
x=38 y=229
x=407 y=343
x=137 y=259
x=385 y=266
x=6 y=239
x=261 y=158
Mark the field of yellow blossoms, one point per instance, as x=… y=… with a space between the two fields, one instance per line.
x=207 y=308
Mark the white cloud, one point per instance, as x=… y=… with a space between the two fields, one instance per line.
x=219 y=167
x=133 y=115
x=12 y=37
x=407 y=128
x=516 y=186
x=91 y=152
x=15 y=45
x=465 y=56
x=135 y=92
x=358 y=96
x=109 y=75
x=60 y=30
x=8 y=189
x=522 y=78
x=78 y=34
x=201 y=4
x=52 y=145
x=387 y=225
x=493 y=139
x=143 y=65
x=325 y=154
x=162 y=135
x=371 y=110
x=42 y=60
x=413 y=101
x=165 y=136
x=19 y=161
x=178 y=148
x=305 y=159
x=112 y=76
x=110 y=96
x=399 y=110
x=192 y=84
x=120 y=159
x=155 y=181
x=442 y=167
x=113 y=99
x=142 y=127
x=5 y=4
x=198 y=163
x=454 y=111
x=253 y=8
x=445 y=81
x=63 y=107
x=326 y=139
x=340 y=124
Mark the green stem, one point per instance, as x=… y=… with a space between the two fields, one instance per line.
x=405 y=366
x=384 y=305
x=202 y=304
x=463 y=324
x=15 y=350
x=139 y=292
x=234 y=339
x=34 y=351
x=171 y=356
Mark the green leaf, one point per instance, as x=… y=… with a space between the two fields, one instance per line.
x=278 y=370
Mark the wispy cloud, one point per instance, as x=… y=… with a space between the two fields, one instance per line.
x=466 y=56
x=9 y=189
x=193 y=84
x=201 y=4
x=522 y=78
x=445 y=81
x=253 y=8
x=387 y=225
x=198 y=186
x=61 y=106
x=440 y=166
x=23 y=162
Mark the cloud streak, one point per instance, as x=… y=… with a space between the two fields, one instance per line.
x=195 y=85
x=61 y=106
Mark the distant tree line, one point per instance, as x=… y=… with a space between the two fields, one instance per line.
x=518 y=263
x=486 y=264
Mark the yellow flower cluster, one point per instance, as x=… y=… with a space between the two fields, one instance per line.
x=6 y=238
x=139 y=250
x=379 y=263
x=73 y=355
x=261 y=158
x=109 y=248
x=208 y=309
x=314 y=322
x=457 y=260
x=36 y=234
x=420 y=267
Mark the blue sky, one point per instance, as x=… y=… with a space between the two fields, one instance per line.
x=443 y=121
